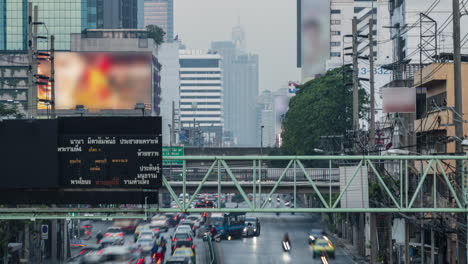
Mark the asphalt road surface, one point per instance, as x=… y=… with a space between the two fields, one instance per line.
x=267 y=249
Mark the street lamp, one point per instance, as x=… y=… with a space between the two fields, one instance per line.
x=261 y=139
x=140 y=106
x=80 y=109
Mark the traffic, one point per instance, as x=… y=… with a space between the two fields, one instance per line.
x=181 y=237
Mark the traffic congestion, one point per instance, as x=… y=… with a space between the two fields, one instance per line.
x=180 y=238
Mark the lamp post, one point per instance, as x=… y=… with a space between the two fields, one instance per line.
x=261 y=139
x=140 y=106
x=194 y=111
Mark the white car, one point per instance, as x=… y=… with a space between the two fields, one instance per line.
x=146 y=243
x=146 y=233
x=184 y=229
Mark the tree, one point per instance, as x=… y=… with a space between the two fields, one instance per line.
x=156 y=33
x=10 y=111
x=322 y=106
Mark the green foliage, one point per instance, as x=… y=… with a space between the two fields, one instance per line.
x=156 y=33
x=322 y=106
x=10 y=111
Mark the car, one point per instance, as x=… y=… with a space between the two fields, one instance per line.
x=315 y=234
x=178 y=260
x=184 y=229
x=255 y=222
x=181 y=239
x=172 y=220
x=117 y=255
x=323 y=245
x=90 y=257
x=194 y=217
x=160 y=223
x=184 y=252
x=111 y=241
x=189 y=222
x=146 y=243
x=139 y=228
x=114 y=231
x=127 y=225
x=148 y=232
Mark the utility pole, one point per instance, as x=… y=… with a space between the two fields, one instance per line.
x=355 y=78
x=457 y=117
x=372 y=90
x=372 y=217
x=52 y=74
x=30 y=47
x=34 y=66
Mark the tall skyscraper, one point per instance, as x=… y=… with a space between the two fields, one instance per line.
x=243 y=120
x=114 y=14
x=240 y=78
x=168 y=55
x=227 y=50
x=60 y=17
x=266 y=118
x=160 y=13
x=201 y=97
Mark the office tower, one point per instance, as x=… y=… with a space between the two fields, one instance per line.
x=201 y=97
x=160 y=13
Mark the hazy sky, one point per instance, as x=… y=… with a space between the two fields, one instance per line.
x=270 y=32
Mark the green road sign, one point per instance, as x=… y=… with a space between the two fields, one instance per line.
x=177 y=151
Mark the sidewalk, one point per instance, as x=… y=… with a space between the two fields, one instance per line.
x=348 y=248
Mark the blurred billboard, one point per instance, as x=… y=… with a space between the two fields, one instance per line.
x=99 y=80
x=399 y=100
x=313 y=37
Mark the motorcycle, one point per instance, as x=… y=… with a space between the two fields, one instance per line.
x=286 y=246
x=208 y=235
x=87 y=234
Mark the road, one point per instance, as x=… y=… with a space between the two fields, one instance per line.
x=266 y=248
x=102 y=226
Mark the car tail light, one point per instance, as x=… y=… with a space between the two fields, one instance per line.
x=86 y=226
x=189 y=239
x=174 y=239
x=107 y=235
x=141 y=261
x=120 y=234
x=175 y=217
x=156 y=229
x=100 y=251
x=192 y=246
x=82 y=252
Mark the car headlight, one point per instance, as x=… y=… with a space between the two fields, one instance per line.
x=255 y=229
x=245 y=229
x=312 y=237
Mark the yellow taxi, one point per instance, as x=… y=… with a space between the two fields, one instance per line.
x=323 y=245
x=138 y=230
x=185 y=252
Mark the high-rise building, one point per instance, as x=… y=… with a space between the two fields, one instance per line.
x=160 y=13
x=227 y=50
x=60 y=17
x=113 y=14
x=243 y=120
x=201 y=97
x=240 y=79
x=168 y=55
x=266 y=118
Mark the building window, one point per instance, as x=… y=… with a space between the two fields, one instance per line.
x=335 y=22
x=335 y=43
x=335 y=33
x=335 y=54
x=336 y=11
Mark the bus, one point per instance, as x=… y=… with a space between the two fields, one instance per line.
x=228 y=224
